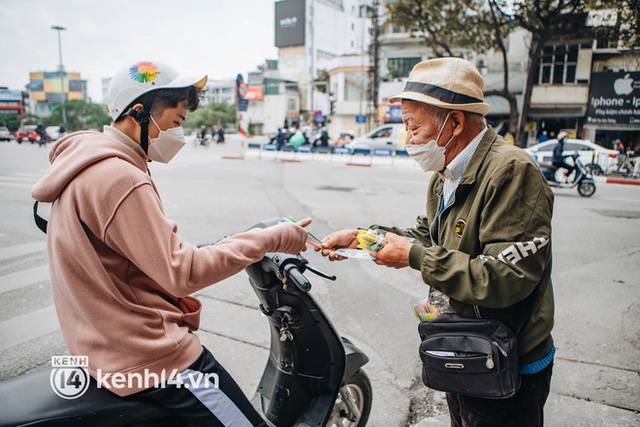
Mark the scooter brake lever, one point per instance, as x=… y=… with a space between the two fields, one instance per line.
x=321 y=274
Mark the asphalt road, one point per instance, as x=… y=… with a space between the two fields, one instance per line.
x=223 y=189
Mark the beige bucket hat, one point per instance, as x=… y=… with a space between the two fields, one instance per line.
x=451 y=83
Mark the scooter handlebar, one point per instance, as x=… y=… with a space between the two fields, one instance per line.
x=294 y=274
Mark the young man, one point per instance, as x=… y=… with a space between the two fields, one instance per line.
x=484 y=241
x=120 y=273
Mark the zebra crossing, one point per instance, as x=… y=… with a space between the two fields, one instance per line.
x=18 y=273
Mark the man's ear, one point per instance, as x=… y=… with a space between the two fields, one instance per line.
x=458 y=119
x=135 y=111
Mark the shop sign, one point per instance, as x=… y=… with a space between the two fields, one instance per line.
x=614 y=98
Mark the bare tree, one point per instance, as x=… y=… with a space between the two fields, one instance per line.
x=478 y=25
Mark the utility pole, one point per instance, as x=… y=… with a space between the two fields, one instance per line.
x=59 y=29
x=372 y=114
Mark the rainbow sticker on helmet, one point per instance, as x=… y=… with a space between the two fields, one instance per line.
x=143 y=72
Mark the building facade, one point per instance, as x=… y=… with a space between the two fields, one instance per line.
x=309 y=35
x=48 y=89
x=12 y=102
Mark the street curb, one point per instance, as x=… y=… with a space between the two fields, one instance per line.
x=627 y=181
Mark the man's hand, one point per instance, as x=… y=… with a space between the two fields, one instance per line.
x=339 y=239
x=395 y=253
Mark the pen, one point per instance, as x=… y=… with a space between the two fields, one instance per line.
x=317 y=242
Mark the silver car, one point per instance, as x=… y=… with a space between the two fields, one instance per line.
x=5 y=134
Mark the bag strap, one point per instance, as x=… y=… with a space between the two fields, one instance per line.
x=40 y=221
x=524 y=306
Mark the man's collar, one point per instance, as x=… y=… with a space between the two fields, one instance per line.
x=459 y=164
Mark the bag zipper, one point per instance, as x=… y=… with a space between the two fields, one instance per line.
x=503 y=351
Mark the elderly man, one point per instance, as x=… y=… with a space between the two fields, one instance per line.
x=484 y=241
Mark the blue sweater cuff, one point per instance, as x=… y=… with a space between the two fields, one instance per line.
x=538 y=365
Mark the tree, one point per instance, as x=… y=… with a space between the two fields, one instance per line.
x=467 y=24
x=81 y=115
x=220 y=114
x=545 y=21
x=627 y=26
x=10 y=121
x=484 y=24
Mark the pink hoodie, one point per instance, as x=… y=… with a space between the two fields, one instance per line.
x=120 y=273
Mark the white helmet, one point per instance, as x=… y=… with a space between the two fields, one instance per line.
x=145 y=76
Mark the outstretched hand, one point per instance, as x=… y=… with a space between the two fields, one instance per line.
x=336 y=240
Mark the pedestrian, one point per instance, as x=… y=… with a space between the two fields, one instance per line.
x=543 y=136
x=121 y=274
x=203 y=135
x=214 y=132
x=484 y=241
x=220 y=135
x=558 y=157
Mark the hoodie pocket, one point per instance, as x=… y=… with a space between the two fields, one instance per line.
x=191 y=309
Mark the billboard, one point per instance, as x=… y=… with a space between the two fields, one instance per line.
x=614 y=98
x=290 y=23
x=389 y=113
x=48 y=86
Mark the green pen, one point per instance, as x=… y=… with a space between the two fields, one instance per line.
x=291 y=219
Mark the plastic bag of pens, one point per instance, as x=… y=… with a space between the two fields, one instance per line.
x=432 y=306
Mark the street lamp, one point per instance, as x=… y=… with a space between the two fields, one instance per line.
x=60 y=28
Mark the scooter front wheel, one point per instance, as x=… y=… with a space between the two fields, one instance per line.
x=586 y=188
x=353 y=405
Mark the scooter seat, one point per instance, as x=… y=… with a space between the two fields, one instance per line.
x=30 y=400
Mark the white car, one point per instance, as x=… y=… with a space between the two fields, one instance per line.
x=385 y=137
x=594 y=157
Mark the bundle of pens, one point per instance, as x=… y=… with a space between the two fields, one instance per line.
x=311 y=239
x=371 y=240
x=426 y=311
x=432 y=306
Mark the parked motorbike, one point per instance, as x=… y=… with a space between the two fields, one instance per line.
x=313 y=377
x=582 y=179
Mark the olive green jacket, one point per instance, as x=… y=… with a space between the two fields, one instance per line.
x=492 y=246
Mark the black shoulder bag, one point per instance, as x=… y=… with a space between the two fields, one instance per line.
x=471 y=356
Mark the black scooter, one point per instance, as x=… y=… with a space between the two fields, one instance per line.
x=582 y=179
x=313 y=376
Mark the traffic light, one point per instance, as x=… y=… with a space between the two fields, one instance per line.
x=332 y=107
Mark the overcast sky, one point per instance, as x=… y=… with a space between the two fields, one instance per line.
x=218 y=37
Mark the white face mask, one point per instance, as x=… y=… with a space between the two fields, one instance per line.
x=166 y=145
x=430 y=156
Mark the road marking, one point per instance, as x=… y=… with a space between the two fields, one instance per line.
x=19 y=250
x=15 y=185
x=27 y=327
x=27 y=174
x=24 y=278
x=619 y=199
x=18 y=178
